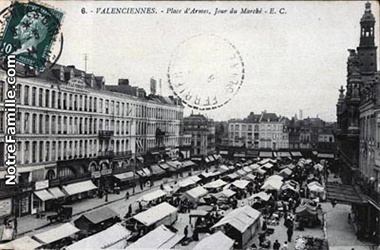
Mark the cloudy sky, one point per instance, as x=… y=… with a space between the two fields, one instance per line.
x=292 y=61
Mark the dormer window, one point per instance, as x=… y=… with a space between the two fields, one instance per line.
x=62 y=74
x=83 y=76
x=92 y=80
x=72 y=74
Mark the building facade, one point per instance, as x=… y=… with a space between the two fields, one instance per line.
x=259 y=131
x=358 y=131
x=70 y=125
x=203 y=134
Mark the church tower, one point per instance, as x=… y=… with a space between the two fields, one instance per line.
x=367 y=49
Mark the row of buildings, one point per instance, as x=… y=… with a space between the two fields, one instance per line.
x=358 y=128
x=72 y=127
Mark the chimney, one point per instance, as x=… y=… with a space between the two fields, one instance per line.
x=123 y=82
x=153 y=86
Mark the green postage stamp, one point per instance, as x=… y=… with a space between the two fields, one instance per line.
x=29 y=33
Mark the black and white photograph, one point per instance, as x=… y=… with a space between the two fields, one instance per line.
x=189 y=125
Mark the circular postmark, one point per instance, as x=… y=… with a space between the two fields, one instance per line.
x=29 y=31
x=206 y=71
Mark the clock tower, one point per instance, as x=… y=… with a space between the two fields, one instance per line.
x=367 y=48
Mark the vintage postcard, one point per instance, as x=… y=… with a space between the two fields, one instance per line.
x=189 y=125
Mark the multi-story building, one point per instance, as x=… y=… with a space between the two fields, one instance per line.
x=203 y=134
x=259 y=131
x=71 y=126
x=358 y=129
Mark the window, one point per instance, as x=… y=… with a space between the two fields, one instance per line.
x=34 y=96
x=59 y=124
x=34 y=124
x=117 y=108
x=34 y=152
x=75 y=102
x=18 y=93
x=53 y=150
x=47 y=149
x=80 y=102
x=41 y=151
x=90 y=104
x=85 y=103
x=2 y=117
x=107 y=106
x=26 y=152
x=26 y=95
x=64 y=101
x=1 y=91
x=40 y=98
x=46 y=124
x=53 y=124
x=47 y=98
x=101 y=105
x=41 y=127
x=95 y=104
x=53 y=99
x=18 y=122
x=59 y=100
x=65 y=125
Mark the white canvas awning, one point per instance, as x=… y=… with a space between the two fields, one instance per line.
x=79 y=187
x=56 y=192
x=58 y=233
x=186 y=182
x=267 y=165
x=216 y=241
x=159 y=238
x=241 y=172
x=113 y=237
x=247 y=169
x=272 y=184
x=215 y=184
x=242 y=184
x=23 y=243
x=197 y=192
x=152 y=196
x=44 y=195
x=195 y=178
x=125 y=176
x=241 y=218
x=155 y=214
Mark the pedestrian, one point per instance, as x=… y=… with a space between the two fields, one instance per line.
x=264 y=227
x=276 y=245
x=185 y=232
x=162 y=186
x=130 y=209
x=15 y=223
x=140 y=206
x=106 y=199
x=127 y=195
x=290 y=233
x=285 y=246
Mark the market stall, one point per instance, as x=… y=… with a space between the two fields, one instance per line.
x=216 y=241
x=193 y=195
x=79 y=190
x=159 y=238
x=240 y=224
x=114 y=237
x=273 y=184
x=23 y=243
x=152 y=198
x=215 y=186
x=97 y=220
x=58 y=237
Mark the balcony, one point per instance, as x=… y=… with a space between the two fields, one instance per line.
x=105 y=154
x=105 y=134
x=114 y=155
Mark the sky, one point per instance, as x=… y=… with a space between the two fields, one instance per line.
x=292 y=61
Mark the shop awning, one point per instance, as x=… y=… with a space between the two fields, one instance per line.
x=58 y=233
x=296 y=154
x=264 y=154
x=79 y=187
x=44 y=195
x=240 y=155
x=125 y=176
x=326 y=156
x=252 y=154
x=56 y=192
x=284 y=154
x=344 y=193
x=157 y=170
x=108 y=238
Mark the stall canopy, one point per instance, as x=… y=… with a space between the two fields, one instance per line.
x=275 y=177
x=250 y=177
x=44 y=195
x=56 y=234
x=159 y=238
x=241 y=218
x=231 y=167
x=260 y=171
x=264 y=154
x=206 y=175
x=125 y=176
x=112 y=237
x=215 y=184
x=261 y=195
x=233 y=176
x=241 y=172
x=272 y=184
x=254 y=166
x=23 y=243
x=186 y=182
x=227 y=193
x=242 y=184
x=155 y=214
x=157 y=170
x=195 y=178
x=247 y=169
x=79 y=187
x=197 y=192
x=216 y=241
x=56 y=192
x=97 y=216
x=223 y=168
x=285 y=172
x=267 y=165
x=263 y=161
x=187 y=163
x=318 y=167
x=152 y=196
x=344 y=193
